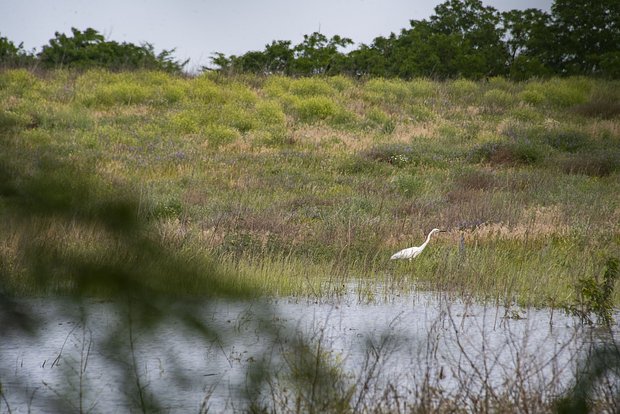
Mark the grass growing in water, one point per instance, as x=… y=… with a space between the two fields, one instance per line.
x=301 y=185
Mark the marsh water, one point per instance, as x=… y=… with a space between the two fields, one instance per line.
x=91 y=356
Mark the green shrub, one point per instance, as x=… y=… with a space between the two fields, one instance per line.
x=241 y=95
x=340 y=83
x=219 y=134
x=378 y=118
x=270 y=113
x=594 y=164
x=525 y=113
x=167 y=209
x=597 y=298
x=561 y=93
x=407 y=184
x=474 y=179
x=356 y=164
x=277 y=86
x=422 y=88
x=505 y=152
x=603 y=103
x=186 y=122
x=343 y=118
x=12 y=119
x=38 y=136
x=237 y=117
x=273 y=136
x=205 y=90
x=315 y=108
x=569 y=140
x=386 y=91
x=394 y=154
x=532 y=96
x=169 y=94
x=499 y=82
x=315 y=86
x=124 y=93
x=19 y=82
x=496 y=99
x=421 y=113
x=463 y=88
x=63 y=116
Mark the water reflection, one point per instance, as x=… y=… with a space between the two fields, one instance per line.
x=410 y=345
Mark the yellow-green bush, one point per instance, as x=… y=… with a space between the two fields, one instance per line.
x=220 y=134
x=421 y=113
x=270 y=113
x=19 y=82
x=562 y=92
x=315 y=108
x=526 y=113
x=463 y=87
x=532 y=96
x=384 y=90
x=340 y=83
x=305 y=87
x=422 y=88
x=498 y=82
x=203 y=89
x=237 y=117
x=12 y=119
x=186 y=122
x=123 y=93
x=240 y=94
x=497 y=99
x=36 y=136
x=101 y=88
x=277 y=86
x=377 y=118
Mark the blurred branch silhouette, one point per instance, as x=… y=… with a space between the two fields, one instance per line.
x=69 y=234
x=600 y=368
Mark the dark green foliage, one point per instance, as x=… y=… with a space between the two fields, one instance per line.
x=506 y=152
x=529 y=42
x=602 y=362
x=394 y=154
x=14 y=56
x=315 y=55
x=604 y=105
x=598 y=163
x=587 y=36
x=595 y=297
x=318 y=55
x=568 y=140
x=463 y=38
x=168 y=209
x=89 y=49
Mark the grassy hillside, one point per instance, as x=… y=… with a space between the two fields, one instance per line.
x=300 y=185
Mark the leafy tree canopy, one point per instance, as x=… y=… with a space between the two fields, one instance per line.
x=11 y=55
x=90 y=49
x=463 y=38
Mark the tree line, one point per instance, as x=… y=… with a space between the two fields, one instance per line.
x=88 y=49
x=463 y=38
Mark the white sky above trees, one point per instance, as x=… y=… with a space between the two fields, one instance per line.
x=199 y=28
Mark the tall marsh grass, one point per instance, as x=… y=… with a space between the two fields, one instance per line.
x=303 y=184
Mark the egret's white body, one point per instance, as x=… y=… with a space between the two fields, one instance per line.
x=411 y=252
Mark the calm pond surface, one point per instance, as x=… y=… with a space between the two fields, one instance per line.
x=85 y=357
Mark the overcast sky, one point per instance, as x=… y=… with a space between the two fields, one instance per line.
x=198 y=28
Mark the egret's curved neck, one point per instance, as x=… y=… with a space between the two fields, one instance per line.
x=428 y=237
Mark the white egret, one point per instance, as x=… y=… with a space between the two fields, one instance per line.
x=412 y=252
